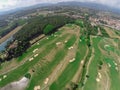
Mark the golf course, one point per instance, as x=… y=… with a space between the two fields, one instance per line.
x=66 y=60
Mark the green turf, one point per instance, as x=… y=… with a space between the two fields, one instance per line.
x=110 y=61
x=48 y=29
x=71 y=41
x=46 y=69
x=42 y=43
x=21 y=71
x=70 y=70
x=91 y=81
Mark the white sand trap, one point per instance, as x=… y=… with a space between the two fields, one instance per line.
x=70 y=48
x=37 y=88
x=99 y=74
x=82 y=61
x=35 y=50
x=105 y=46
x=115 y=63
x=72 y=60
x=58 y=43
x=37 y=43
x=116 y=68
x=18 y=85
x=97 y=79
x=109 y=65
x=35 y=55
x=5 y=76
x=66 y=41
x=31 y=59
x=80 y=40
x=46 y=80
x=0 y=79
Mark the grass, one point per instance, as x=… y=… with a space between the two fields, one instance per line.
x=71 y=41
x=20 y=71
x=91 y=81
x=48 y=29
x=113 y=74
x=28 y=75
x=70 y=70
x=45 y=70
x=30 y=50
x=41 y=44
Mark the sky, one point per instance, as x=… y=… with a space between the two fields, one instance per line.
x=12 y=4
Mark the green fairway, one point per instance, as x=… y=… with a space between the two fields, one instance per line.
x=20 y=71
x=71 y=69
x=92 y=72
x=69 y=59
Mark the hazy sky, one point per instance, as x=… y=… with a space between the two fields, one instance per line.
x=11 y=4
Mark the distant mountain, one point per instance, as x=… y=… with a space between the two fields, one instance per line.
x=72 y=3
x=25 y=8
x=91 y=5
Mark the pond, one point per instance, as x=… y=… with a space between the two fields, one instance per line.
x=2 y=45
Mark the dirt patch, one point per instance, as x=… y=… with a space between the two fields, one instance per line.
x=76 y=78
x=18 y=85
x=104 y=83
x=111 y=33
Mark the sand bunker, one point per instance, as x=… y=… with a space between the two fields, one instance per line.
x=58 y=43
x=106 y=46
x=35 y=55
x=5 y=76
x=0 y=79
x=35 y=50
x=70 y=47
x=99 y=75
x=37 y=43
x=31 y=59
x=80 y=40
x=46 y=80
x=109 y=65
x=82 y=62
x=72 y=60
x=66 y=41
x=116 y=68
x=37 y=87
x=97 y=79
x=115 y=63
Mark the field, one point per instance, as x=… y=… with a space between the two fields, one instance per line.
x=64 y=61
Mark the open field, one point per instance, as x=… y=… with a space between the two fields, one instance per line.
x=65 y=61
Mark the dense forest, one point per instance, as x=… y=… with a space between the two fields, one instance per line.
x=8 y=29
x=38 y=25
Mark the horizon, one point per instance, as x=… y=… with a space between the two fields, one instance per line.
x=7 y=5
